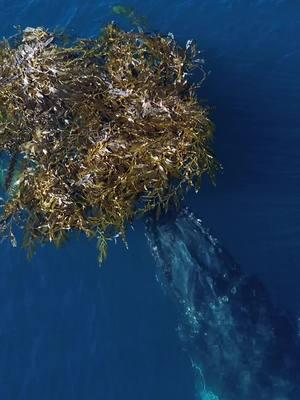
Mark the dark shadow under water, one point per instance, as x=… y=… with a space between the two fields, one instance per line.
x=241 y=346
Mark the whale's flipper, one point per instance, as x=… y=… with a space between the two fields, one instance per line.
x=242 y=347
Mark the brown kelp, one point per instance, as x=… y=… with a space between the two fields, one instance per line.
x=103 y=130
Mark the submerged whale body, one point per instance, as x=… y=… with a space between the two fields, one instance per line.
x=241 y=346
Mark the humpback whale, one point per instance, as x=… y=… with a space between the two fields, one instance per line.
x=240 y=345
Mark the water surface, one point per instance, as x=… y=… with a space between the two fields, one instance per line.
x=70 y=330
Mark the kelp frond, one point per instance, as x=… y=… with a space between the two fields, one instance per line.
x=129 y=13
x=106 y=129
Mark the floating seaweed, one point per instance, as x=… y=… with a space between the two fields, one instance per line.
x=130 y=14
x=106 y=130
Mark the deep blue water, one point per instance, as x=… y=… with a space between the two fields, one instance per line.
x=71 y=330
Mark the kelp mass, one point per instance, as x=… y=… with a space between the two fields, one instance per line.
x=102 y=130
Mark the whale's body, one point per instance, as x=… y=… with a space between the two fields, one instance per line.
x=240 y=345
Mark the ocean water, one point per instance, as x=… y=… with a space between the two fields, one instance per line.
x=71 y=330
